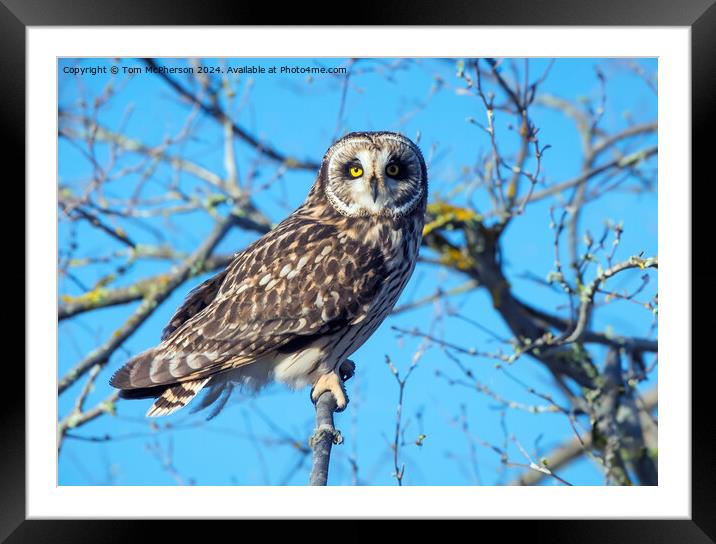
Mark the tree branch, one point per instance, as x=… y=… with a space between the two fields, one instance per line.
x=590 y=290
x=158 y=152
x=629 y=343
x=77 y=418
x=218 y=114
x=621 y=162
x=574 y=449
x=323 y=438
x=104 y=298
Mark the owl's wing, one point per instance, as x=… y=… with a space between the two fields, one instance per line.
x=197 y=299
x=300 y=281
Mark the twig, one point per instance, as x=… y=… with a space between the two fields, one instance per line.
x=575 y=448
x=590 y=290
x=534 y=466
x=439 y=294
x=77 y=418
x=622 y=162
x=218 y=114
x=158 y=152
x=323 y=438
x=400 y=470
x=116 y=233
x=104 y=298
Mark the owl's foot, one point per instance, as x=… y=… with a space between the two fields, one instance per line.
x=330 y=382
x=347 y=370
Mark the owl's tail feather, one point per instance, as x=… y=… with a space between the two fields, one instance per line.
x=136 y=373
x=176 y=397
x=160 y=368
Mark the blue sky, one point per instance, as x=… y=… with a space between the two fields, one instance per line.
x=299 y=115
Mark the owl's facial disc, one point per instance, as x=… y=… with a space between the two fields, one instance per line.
x=381 y=175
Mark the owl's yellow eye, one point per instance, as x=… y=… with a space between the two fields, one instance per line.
x=392 y=170
x=356 y=171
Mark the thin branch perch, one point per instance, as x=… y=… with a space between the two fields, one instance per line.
x=323 y=438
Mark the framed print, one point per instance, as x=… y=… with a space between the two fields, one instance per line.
x=443 y=237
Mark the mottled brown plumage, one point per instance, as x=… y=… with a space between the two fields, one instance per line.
x=297 y=302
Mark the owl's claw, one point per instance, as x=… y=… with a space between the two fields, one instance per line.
x=347 y=370
x=330 y=382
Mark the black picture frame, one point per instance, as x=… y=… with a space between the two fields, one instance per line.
x=699 y=15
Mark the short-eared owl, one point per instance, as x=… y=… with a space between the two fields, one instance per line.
x=295 y=304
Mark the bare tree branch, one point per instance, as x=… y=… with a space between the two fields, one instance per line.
x=105 y=298
x=590 y=290
x=323 y=438
x=570 y=451
x=622 y=162
x=217 y=113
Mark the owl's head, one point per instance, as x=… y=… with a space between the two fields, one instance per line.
x=374 y=173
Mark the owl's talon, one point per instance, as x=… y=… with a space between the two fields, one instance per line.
x=333 y=383
x=347 y=370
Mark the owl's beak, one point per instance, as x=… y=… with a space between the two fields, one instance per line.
x=374 y=188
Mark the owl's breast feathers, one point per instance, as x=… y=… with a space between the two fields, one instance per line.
x=306 y=279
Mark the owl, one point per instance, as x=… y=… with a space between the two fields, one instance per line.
x=295 y=304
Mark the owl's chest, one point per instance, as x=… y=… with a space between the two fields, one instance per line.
x=397 y=243
x=399 y=250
